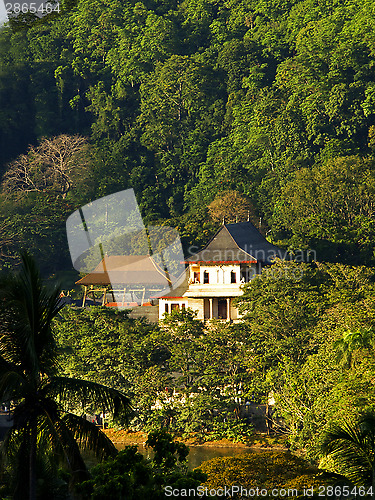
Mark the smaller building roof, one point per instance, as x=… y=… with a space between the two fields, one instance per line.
x=237 y=243
x=127 y=270
x=178 y=290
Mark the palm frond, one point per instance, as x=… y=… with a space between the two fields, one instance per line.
x=89 y=436
x=13 y=386
x=5 y=365
x=54 y=432
x=39 y=305
x=34 y=306
x=346 y=432
x=14 y=457
x=344 y=352
x=349 y=446
x=28 y=353
x=11 y=341
x=106 y=398
x=352 y=341
x=9 y=444
x=367 y=422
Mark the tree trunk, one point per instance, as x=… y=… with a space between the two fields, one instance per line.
x=32 y=464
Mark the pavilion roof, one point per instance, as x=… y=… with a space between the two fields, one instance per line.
x=121 y=270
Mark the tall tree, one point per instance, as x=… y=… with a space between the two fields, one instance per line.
x=42 y=423
x=331 y=208
x=231 y=206
x=55 y=166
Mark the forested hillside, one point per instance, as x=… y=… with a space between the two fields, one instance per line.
x=186 y=100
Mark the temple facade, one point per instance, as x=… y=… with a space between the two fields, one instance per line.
x=234 y=256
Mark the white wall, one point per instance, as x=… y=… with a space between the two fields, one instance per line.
x=219 y=274
x=162 y=302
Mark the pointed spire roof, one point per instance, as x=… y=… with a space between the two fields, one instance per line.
x=237 y=243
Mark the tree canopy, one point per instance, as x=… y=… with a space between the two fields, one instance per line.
x=188 y=101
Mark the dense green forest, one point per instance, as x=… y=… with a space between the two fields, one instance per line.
x=184 y=101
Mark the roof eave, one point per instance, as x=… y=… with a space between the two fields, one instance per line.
x=220 y=261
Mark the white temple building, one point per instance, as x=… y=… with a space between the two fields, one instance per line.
x=234 y=256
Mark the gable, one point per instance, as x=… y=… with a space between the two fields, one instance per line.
x=237 y=243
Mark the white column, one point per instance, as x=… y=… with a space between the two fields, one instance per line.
x=228 y=308
x=211 y=308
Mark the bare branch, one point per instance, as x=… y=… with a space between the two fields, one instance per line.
x=57 y=165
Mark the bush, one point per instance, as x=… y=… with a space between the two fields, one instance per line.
x=266 y=470
x=129 y=475
x=234 y=430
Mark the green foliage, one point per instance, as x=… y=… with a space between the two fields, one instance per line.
x=281 y=307
x=129 y=475
x=310 y=327
x=44 y=433
x=235 y=431
x=184 y=101
x=330 y=209
x=36 y=223
x=182 y=376
x=266 y=470
x=166 y=452
x=306 y=339
x=350 y=450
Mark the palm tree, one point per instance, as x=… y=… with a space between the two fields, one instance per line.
x=42 y=424
x=352 y=448
x=353 y=341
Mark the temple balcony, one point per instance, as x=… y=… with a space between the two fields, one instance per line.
x=197 y=290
